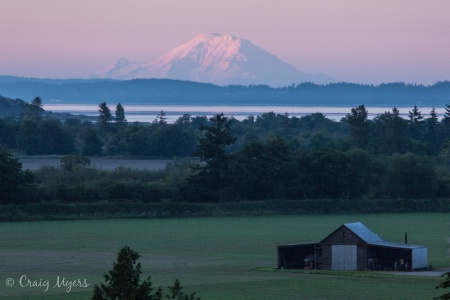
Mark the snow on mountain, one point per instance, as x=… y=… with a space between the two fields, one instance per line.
x=218 y=59
x=120 y=69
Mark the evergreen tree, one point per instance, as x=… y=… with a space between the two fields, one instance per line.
x=446 y=118
x=105 y=116
x=161 y=119
x=120 y=114
x=359 y=126
x=415 y=123
x=14 y=182
x=415 y=116
x=185 y=119
x=445 y=122
x=176 y=292
x=432 y=125
x=213 y=169
x=34 y=110
x=390 y=132
x=444 y=285
x=123 y=281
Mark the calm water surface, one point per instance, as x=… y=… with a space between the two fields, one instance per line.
x=148 y=113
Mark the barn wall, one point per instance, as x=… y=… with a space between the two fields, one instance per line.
x=362 y=258
x=420 y=258
x=326 y=257
x=343 y=236
x=344 y=257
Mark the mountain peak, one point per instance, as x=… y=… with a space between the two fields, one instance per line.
x=204 y=49
x=120 y=69
x=220 y=59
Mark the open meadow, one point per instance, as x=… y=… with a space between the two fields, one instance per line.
x=220 y=258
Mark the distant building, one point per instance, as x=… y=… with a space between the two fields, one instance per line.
x=353 y=246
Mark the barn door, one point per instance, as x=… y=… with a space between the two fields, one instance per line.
x=343 y=257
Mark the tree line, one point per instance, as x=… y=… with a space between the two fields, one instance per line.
x=270 y=156
x=177 y=92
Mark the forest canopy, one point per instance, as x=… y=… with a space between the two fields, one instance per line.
x=221 y=159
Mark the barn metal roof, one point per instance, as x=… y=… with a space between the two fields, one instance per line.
x=397 y=245
x=374 y=239
x=364 y=233
x=298 y=245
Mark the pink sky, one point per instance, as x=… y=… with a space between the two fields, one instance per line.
x=354 y=40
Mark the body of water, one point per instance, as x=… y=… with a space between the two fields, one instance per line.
x=148 y=113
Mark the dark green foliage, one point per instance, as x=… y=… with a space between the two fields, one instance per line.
x=213 y=170
x=92 y=144
x=123 y=282
x=44 y=136
x=137 y=139
x=359 y=126
x=433 y=133
x=161 y=119
x=444 y=285
x=7 y=134
x=104 y=116
x=216 y=137
x=15 y=184
x=72 y=162
x=28 y=137
x=135 y=209
x=412 y=176
x=261 y=170
x=74 y=182
x=11 y=108
x=34 y=110
x=390 y=132
x=172 y=141
x=176 y=292
x=120 y=115
x=416 y=124
x=270 y=156
x=446 y=119
x=325 y=174
x=54 y=139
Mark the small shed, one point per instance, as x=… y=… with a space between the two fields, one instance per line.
x=353 y=246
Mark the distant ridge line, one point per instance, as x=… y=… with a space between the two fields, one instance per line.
x=179 y=92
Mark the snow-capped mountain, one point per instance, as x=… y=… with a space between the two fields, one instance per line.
x=218 y=59
x=120 y=69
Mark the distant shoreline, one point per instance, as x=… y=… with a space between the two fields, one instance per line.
x=147 y=113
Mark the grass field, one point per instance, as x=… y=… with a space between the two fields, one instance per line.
x=220 y=258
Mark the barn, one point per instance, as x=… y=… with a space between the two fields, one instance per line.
x=353 y=246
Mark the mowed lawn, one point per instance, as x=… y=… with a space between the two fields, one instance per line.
x=220 y=258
